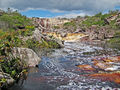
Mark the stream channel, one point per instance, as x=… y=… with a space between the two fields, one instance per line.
x=58 y=70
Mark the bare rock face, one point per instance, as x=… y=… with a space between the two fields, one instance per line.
x=37 y=35
x=99 y=33
x=27 y=55
x=111 y=18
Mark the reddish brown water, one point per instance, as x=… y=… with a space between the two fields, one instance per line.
x=58 y=70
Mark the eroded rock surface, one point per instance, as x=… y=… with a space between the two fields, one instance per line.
x=27 y=55
x=69 y=37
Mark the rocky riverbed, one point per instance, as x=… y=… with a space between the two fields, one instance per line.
x=80 y=63
x=77 y=66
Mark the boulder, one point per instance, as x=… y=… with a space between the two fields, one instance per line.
x=37 y=35
x=27 y=55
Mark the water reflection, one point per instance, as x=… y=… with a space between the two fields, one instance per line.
x=58 y=70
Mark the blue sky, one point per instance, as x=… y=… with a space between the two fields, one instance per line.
x=41 y=13
x=63 y=8
x=49 y=14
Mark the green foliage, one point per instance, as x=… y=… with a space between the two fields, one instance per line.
x=49 y=44
x=94 y=20
x=69 y=23
x=25 y=32
x=3 y=80
x=31 y=28
x=9 y=63
x=1 y=33
x=14 y=27
x=117 y=34
x=114 y=40
x=98 y=19
x=8 y=41
x=13 y=66
x=98 y=15
x=31 y=43
x=13 y=21
x=56 y=27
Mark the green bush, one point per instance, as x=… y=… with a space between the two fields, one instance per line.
x=32 y=28
x=56 y=27
x=13 y=66
x=25 y=32
x=31 y=43
x=70 y=23
x=117 y=35
x=13 y=20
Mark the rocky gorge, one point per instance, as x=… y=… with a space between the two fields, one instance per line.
x=80 y=57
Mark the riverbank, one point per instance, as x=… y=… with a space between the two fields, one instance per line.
x=17 y=44
x=82 y=37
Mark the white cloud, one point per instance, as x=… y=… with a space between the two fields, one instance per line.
x=73 y=15
x=61 y=5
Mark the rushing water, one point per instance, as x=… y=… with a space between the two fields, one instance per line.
x=58 y=70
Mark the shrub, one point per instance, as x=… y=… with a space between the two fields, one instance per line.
x=56 y=27
x=13 y=20
x=69 y=23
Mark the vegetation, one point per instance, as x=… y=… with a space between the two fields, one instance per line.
x=10 y=21
x=10 y=64
x=56 y=27
x=69 y=23
x=99 y=20
x=116 y=38
x=106 y=22
x=14 y=27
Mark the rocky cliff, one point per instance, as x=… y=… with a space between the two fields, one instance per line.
x=46 y=24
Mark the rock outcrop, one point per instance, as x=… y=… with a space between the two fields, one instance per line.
x=111 y=18
x=48 y=23
x=67 y=37
x=102 y=33
x=27 y=56
x=37 y=35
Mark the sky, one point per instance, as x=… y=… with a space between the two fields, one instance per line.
x=60 y=8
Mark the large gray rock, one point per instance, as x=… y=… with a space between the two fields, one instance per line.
x=37 y=35
x=27 y=55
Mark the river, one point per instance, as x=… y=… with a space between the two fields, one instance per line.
x=58 y=70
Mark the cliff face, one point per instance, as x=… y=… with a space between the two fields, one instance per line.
x=48 y=23
x=98 y=27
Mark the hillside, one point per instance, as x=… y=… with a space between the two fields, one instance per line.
x=98 y=27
